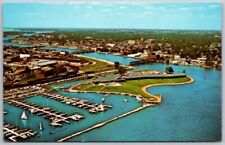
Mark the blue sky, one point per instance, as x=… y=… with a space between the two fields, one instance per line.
x=191 y=16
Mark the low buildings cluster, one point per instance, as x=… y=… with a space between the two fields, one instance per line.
x=24 y=65
x=147 y=49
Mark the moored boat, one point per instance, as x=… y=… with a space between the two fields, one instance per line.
x=24 y=116
x=40 y=127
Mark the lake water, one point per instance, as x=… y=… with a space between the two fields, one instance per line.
x=119 y=107
x=190 y=112
x=9 y=37
x=61 y=49
x=110 y=57
x=6 y=41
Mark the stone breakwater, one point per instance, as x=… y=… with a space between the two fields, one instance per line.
x=146 y=103
x=104 y=123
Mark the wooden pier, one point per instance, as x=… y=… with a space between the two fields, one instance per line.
x=56 y=118
x=80 y=103
x=14 y=134
x=22 y=93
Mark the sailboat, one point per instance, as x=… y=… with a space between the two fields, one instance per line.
x=103 y=99
x=40 y=127
x=125 y=100
x=24 y=116
x=101 y=107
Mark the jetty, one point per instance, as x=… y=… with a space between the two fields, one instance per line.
x=55 y=118
x=104 y=123
x=80 y=103
x=22 y=93
x=14 y=134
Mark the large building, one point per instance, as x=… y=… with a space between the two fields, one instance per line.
x=42 y=63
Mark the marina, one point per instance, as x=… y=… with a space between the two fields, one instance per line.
x=80 y=103
x=22 y=93
x=55 y=118
x=15 y=134
x=123 y=79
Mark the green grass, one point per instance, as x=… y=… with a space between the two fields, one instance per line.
x=132 y=86
x=99 y=66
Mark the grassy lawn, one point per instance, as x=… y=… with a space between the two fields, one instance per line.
x=99 y=66
x=132 y=86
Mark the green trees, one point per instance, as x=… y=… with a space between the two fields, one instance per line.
x=28 y=73
x=122 y=70
x=169 y=70
x=116 y=65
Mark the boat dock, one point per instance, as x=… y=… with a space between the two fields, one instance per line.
x=22 y=93
x=14 y=134
x=55 y=118
x=80 y=103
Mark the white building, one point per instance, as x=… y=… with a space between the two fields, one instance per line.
x=131 y=42
x=135 y=55
x=110 y=44
x=176 y=57
x=24 y=55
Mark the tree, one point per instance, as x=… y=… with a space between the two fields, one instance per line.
x=28 y=73
x=157 y=57
x=209 y=62
x=169 y=70
x=122 y=70
x=116 y=65
x=75 y=69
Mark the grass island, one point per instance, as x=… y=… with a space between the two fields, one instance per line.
x=132 y=87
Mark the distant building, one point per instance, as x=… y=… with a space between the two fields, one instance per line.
x=151 y=56
x=150 y=43
x=24 y=55
x=42 y=63
x=110 y=44
x=135 y=55
x=62 y=52
x=131 y=42
x=176 y=57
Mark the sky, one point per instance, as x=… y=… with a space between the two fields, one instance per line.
x=125 y=15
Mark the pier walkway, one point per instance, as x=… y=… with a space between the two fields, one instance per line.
x=56 y=118
x=22 y=93
x=80 y=103
x=14 y=134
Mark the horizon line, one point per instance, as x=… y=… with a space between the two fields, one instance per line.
x=111 y=28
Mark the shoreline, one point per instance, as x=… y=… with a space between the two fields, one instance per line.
x=144 y=89
x=125 y=56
